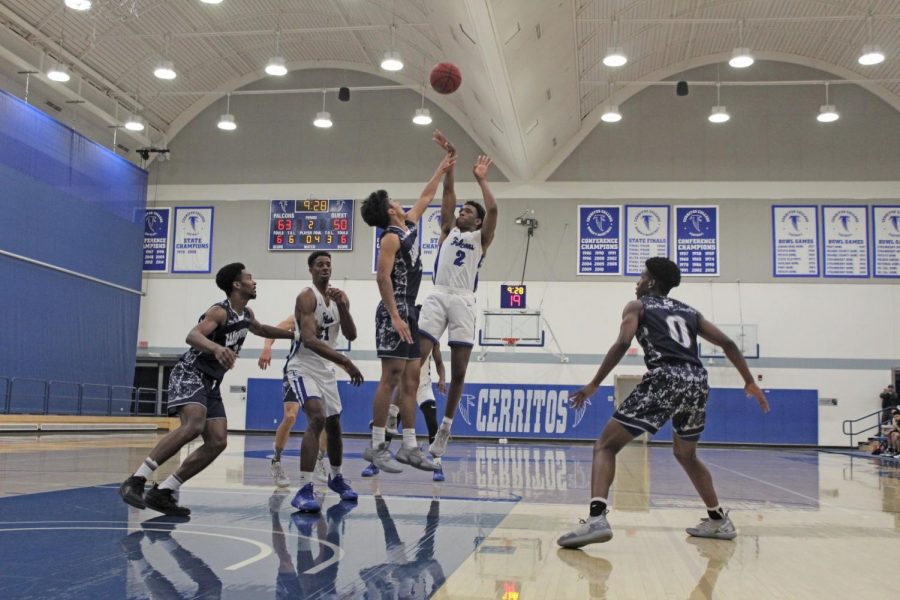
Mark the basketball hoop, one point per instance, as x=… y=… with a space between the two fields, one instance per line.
x=509 y=343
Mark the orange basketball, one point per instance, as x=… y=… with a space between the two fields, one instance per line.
x=445 y=78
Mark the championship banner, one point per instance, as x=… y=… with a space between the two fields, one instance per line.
x=886 y=225
x=846 y=236
x=430 y=231
x=795 y=241
x=192 y=242
x=156 y=240
x=697 y=240
x=646 y=235
x=599 y=240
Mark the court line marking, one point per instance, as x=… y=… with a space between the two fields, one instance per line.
x=337 y=552
x=264 y=549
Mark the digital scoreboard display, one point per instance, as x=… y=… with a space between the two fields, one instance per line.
x=313 y=224
x=512 y=296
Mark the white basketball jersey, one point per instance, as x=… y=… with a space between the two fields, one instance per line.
x=458 y=260
x=328 y=322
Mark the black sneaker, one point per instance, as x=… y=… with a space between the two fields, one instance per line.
x=132 y=491
x=163 y=500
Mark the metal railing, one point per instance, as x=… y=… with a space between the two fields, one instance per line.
x=848 y=429
x=23 y=395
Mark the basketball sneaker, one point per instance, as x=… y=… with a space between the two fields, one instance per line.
x=595 y=570
x=132 y=491
x=439 y=445
x=414 y=457
x=165 y=501
x=370 y=471
x=438 y=474
x=720 y=529
x=339 y=485
x=278 y=474
x=305 y=500
x=304 y=522
x=594 y=530
x=382 y=458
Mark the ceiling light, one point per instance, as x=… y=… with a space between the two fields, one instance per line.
x=423 y=117
x=615 y=57
x=323 y=120
x=58 y=72
x=611 y=114
x=718 y=115
x=165 y=70
x=871 y=55
x=134 y=123
x=226 y=122
x=391 y=61
x=741 y=58
x=827 y=114
x=211 y=1
x=79 y=4
x=276 y=66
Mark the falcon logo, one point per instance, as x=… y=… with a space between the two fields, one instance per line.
x=579 y=412
x=152 y=221
x=795 y=222
x=466 y=402
x=647 y=222
x=895 y=221
x=600 y=222
x=844 y=221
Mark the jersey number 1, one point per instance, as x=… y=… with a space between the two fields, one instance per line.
x=460 y=257
x=678 y=330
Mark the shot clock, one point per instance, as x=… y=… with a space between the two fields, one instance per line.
x=314 y=224
x=512 y=295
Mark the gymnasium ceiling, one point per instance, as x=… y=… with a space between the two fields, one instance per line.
x=533 y=78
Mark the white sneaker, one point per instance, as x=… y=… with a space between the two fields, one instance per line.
x=439 y=445
x=382 y=458
x=319 y=471
x=278 y=474
x=720 y=529
x=414 y=457
x=593 y=530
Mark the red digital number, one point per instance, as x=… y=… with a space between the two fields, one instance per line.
x=279 y=239
x=283 y=225
x=343 y=239
x=340 y=224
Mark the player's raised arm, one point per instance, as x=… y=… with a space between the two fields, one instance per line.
x=448 y=197
x=630 y=319
x=489 y=225
x=428 y=193
x=713 y=334
x=305 y=313
x=340 y=298
x=265 y=357
x=267 y=331
x=198 y=338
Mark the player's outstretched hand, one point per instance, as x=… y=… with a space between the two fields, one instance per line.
x=447 y=164
x=225 y=356
x=753 y=391
x=402 y=329
x=481 y=167
x=356 y=377
x=580 y=397
x=441 y=140
x=265 y=359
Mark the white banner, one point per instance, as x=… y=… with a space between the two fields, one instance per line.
x=192 y=244
x=646 y=235
x=886 y=224
x=795 y=241
x=846 y=236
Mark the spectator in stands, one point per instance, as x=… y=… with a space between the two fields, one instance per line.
x=888 y=401
x=893 y=436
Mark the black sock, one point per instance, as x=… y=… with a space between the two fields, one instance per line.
x=429 y=411
x=597 y=508
x=716 y=515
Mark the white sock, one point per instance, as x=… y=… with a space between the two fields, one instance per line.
x=171 y=483
x=305 y=477
x=146 y=469
x=335 y=471
x=446 y=423
x=436 y=460
x=377 y=436
x=394 y=410
x=409 y=437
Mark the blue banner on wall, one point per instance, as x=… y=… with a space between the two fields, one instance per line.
x=697 y=240
x=543 y=412
x=599 y=240
x=156 y=239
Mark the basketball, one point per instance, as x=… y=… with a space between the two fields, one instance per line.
x=445 y=78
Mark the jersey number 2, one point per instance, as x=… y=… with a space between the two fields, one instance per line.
x=460 y=257
x=678 y=330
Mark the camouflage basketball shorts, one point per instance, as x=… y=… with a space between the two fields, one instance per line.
x=676 y=392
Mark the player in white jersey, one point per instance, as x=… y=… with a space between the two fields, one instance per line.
x=321 y=312
x=451 y=305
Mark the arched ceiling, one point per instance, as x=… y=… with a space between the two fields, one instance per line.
x=533 y=77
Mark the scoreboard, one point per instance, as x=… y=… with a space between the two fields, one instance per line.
x=313 y=224
x=512 y=296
